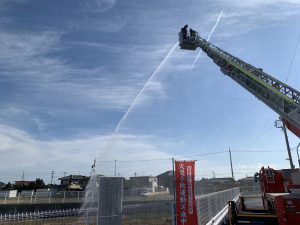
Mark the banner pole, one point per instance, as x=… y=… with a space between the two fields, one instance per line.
x=174 y=194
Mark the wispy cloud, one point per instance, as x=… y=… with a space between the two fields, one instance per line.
x=25 y=54
x=99 y=5
x=5 y=4
x=133 y=154
x=112 y=24
x=76 y=153
x=27 y=59
x=244 y=16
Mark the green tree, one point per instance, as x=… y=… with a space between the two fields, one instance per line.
x=39 y=184
x=8 y=186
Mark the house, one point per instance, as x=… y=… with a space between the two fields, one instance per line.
x=206 y=185
x=143 y=184
x=248 y=184
x=25 y=183
x=225 y=181
x=247 y=181
x=2 y=185
x=73 y=182
x=166 y=180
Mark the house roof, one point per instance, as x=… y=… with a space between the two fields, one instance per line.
x=247 y=179
x=167 y=173
x=137 y=177
x=25 y=181
x=74 y=177
x=216 y=180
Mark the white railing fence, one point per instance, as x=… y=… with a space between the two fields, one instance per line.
x=135 y=212
x=31 y=197
x=210 y=205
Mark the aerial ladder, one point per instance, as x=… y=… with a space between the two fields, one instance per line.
x=280 y=97
x=283 y=207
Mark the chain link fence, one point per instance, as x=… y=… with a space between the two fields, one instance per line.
x=31 y=197
x=135 y=211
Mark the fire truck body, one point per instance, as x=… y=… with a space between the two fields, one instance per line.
x=281 y=194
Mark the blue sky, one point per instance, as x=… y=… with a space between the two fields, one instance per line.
x=70 y=70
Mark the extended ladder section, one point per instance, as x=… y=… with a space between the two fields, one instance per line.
x=280 y=97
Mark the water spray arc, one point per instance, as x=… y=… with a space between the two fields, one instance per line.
x=209 y=36
x=136 y=99
x=92 y=197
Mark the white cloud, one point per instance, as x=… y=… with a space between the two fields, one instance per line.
x=110 y=25
x=4 y=4
x=21 y=152
x=257 y=3
x=24 y=54
x=100 y=5
x=12 y=110
x=25 y=59
x=240 y=17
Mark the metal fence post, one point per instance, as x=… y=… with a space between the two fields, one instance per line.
x=5 y=197
x=87 y=217
x=173 y=213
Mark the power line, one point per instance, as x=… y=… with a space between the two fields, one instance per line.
x=162 y=159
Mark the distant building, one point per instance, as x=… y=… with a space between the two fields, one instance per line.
x=73 y=182
x=248 y=181
x=166 y=180
x=143 y=184
x=205 y=185
x=2 y=185
x=226 y=181
x=24 y=183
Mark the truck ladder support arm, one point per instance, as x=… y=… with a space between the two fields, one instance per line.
x=280 y=97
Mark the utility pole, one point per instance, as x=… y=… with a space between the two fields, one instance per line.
x=93 y=172
x=52 y=176
x=115 y=168
x=214 y=175
x=231 y=165
x=280 y=124
x=23 y=176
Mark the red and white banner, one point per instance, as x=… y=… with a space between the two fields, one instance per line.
x=186 y=212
